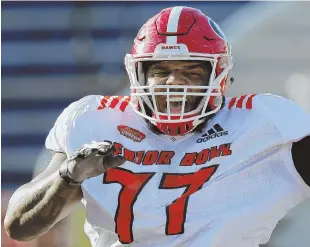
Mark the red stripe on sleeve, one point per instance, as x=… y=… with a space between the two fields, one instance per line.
x=114 y=102
x=249 y=101
x=103 y=103
x=124 y=104
x=240 y=101
x=231 y=103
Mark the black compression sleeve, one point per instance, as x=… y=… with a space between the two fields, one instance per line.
x=301 y=158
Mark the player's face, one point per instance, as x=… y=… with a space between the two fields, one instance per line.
x=187 y=73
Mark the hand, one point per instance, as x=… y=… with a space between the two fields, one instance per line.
x=92 y=160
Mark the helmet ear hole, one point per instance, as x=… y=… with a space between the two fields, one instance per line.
x=231 y=80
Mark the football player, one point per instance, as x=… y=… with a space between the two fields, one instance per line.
x=177 y=163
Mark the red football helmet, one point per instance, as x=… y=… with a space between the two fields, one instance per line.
x=179 y=33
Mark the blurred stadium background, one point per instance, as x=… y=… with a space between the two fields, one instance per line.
x=56 y=52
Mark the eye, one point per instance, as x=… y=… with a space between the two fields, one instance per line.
x=160 y=73
x=194 y=74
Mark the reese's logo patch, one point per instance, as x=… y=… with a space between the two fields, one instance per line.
x=131 y=133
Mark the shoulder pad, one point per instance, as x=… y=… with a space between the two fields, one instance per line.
x=292 y=121
x=56 y=138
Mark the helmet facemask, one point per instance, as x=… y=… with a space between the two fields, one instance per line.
x=209 y=99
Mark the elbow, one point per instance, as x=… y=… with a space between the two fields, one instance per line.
x=15 y=231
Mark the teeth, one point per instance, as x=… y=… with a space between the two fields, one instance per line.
x=176 y=99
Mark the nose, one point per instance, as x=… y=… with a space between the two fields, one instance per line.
x=176 y=78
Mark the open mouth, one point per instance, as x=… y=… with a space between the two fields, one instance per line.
x=176 y=105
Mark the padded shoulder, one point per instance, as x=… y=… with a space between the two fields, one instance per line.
x=291 y=121
x=56 y=139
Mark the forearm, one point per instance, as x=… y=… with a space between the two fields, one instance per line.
x=35 y=207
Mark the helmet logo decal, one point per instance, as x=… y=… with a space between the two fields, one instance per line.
x=170 y=49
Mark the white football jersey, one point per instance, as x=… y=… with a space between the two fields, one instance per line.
x=225 y=187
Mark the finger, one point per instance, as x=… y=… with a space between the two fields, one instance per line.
x=108 y=150
x=105 y=148
x=113 y=161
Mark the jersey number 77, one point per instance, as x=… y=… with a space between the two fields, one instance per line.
x=133 y=183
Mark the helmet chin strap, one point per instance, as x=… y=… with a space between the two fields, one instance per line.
x=179 y=128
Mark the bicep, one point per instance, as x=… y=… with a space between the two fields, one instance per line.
x=55 y=162
x=301 y=158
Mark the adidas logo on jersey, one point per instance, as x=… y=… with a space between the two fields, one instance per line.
x=214 y=132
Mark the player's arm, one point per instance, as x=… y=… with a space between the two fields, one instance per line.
x=36 y=206
x=301 y=158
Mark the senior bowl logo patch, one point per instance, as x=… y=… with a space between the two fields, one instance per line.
x=131 y=133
